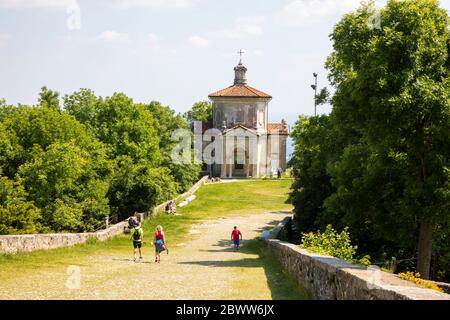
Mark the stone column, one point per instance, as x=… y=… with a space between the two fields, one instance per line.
x=260 y=148
x=223 y=170
x=223 y=166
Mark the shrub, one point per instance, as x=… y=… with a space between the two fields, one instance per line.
x=332 y=243
x=17 y=215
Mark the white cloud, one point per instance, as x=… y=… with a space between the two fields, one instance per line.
x=14 y=4
x=299 y=12
x=148 y=46
x=157 y=50
x=4 y=37
x=114 y=36
x=198 y=41
x=249 y=25
x=153 y=3
x=152 y=47
x=243 y=26
x=21 y=4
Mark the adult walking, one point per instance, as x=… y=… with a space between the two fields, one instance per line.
x=137 y=235
x=160 y=243
x=279 y=172
x=132 y=222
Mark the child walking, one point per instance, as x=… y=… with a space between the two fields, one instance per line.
x=236 y=237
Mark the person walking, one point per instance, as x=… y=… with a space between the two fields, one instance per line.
x=236 y=237
x=137 y=235
x=173 y=207
x=279 y=172
x=132 y=222
x=160 y=243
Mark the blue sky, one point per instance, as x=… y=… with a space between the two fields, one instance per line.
x=173 y=51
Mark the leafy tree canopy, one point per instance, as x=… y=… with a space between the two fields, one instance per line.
x=201 y=111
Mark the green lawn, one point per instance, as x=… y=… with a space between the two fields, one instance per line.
x=224 y=200
x=213 y=201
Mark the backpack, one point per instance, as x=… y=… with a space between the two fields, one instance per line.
x=136 y=234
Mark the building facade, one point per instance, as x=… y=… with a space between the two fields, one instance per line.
x=251 y=146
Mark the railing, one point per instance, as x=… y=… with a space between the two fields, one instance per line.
x=106 y=222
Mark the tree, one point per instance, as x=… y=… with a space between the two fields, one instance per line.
x=366 y=199
x=167 y=123
x=63 y=181
x=28 y=127
x=49 y=98
x=84 y=106
x=128 y=129
x=71 y=167
x=9 y=150
x=322 y=97
x=63 y=168
x=317 y=145
x=17 y=215
x=139 y=139
x=139 y=187
x=392 y=87
x=201 y=111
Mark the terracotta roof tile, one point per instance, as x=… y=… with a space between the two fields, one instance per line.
x=240 y=91
x=281 y=128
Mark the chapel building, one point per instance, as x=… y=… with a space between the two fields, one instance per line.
x=252 y=146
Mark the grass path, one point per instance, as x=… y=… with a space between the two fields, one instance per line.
x=201 y=263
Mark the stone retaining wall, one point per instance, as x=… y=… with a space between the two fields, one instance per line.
x=185 y=195
x=31 y=242
x=331 y=278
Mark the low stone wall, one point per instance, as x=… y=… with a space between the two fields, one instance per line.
x=31 y=242
x=329 y=278
x=185 y=195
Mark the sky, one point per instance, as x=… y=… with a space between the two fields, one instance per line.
x=172 y=51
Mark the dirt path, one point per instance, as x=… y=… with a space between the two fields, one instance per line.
x=205 y=267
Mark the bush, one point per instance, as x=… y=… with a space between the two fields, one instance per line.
x=139 y=187
x=17 y=215
x=332 y=243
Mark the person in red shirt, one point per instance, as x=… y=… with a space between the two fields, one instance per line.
x=236 y=237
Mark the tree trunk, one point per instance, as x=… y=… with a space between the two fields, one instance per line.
x=424 y=251
x=425 y=244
